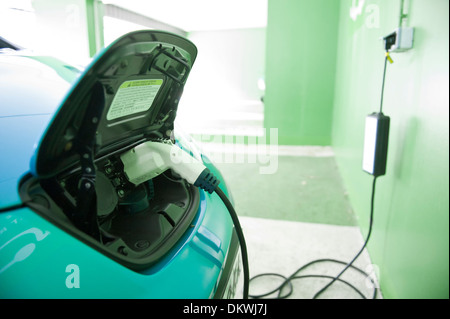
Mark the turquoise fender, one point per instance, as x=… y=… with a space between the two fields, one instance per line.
x=39 y=260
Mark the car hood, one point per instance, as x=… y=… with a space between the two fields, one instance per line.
x=129 y=93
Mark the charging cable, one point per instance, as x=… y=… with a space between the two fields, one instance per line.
x=287 y=281
x=375 y=150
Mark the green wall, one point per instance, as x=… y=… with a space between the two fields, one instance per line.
x=300 y=69
x=410 y=243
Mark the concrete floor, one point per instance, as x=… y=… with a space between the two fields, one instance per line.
x=297 y=214
x=280 y=246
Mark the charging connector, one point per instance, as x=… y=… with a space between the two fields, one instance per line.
x=149 y=159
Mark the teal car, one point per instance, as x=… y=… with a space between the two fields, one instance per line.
x=72 y=224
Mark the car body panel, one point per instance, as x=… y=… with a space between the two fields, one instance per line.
x=39 y=259
x=190 y=270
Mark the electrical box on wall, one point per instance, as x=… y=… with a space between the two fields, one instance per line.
x=401 y=39
x=376 y=138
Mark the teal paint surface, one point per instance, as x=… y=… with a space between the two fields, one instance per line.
x=31 y=113
x=300 y=70
x=410 y=241
x=36 y=257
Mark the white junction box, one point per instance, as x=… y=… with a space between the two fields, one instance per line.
x=401 y=39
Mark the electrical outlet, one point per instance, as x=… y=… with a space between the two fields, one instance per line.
x=401 y=39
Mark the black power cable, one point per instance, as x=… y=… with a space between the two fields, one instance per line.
x=287 y=282
x=241 y=239
x=362 y=248
x=13 y=207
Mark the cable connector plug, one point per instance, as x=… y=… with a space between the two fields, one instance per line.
x=150 y=159
x=207 y=181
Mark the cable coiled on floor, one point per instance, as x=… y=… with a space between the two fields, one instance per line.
x=287 y=281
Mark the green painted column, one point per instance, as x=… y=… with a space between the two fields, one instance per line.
x=94 y=20
x=300 y=70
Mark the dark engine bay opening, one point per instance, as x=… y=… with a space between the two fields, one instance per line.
x=138 y=224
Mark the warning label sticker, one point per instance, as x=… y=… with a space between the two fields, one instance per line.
x=133 y=97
